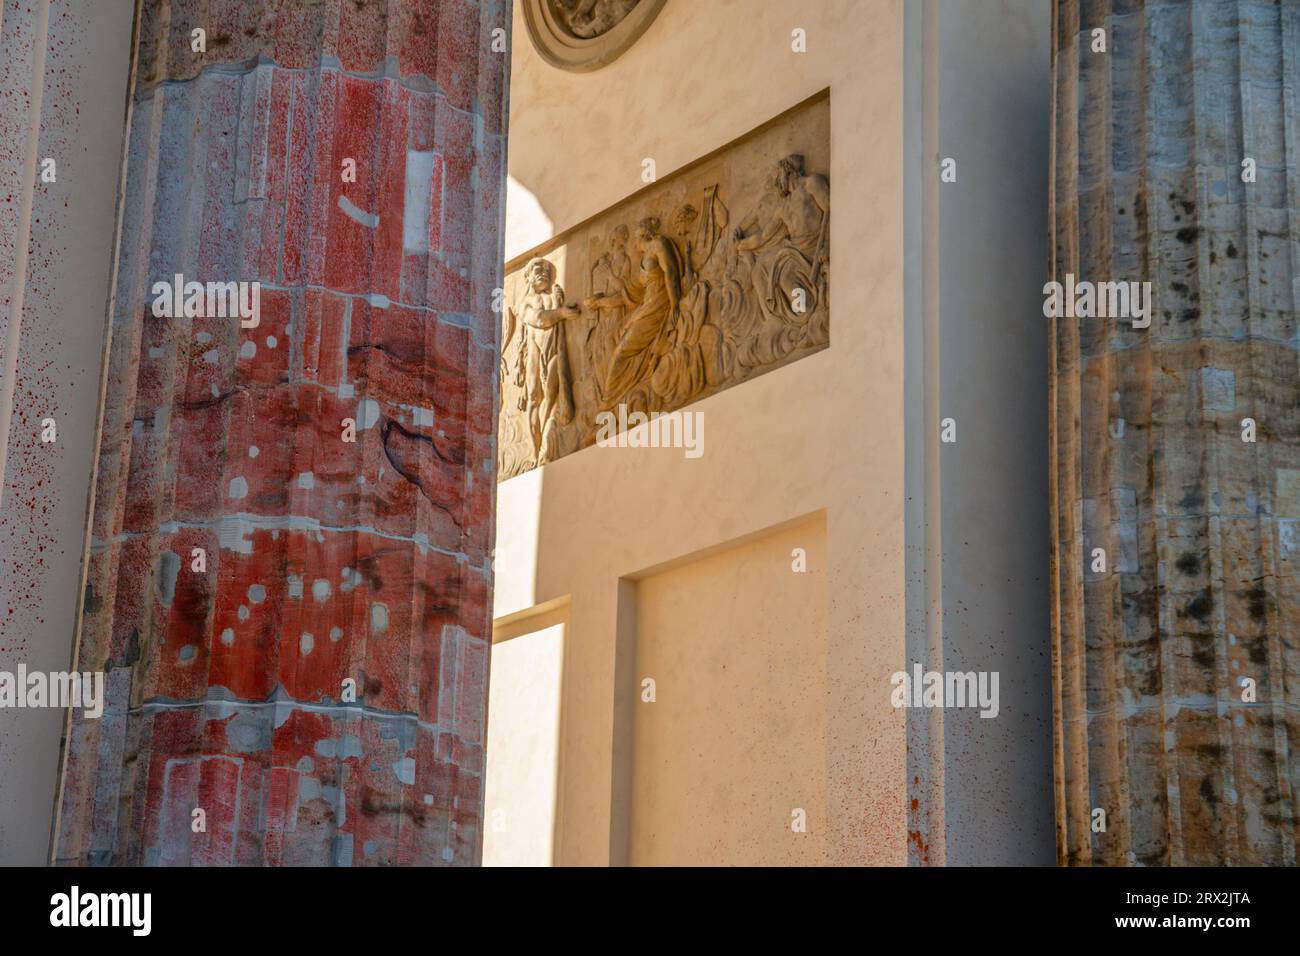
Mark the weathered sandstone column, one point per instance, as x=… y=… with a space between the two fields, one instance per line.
x=1177 y=447
x=294 y=624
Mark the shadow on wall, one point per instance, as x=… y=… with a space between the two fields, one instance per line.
x=527 y=224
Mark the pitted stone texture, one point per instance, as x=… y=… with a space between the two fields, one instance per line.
x=1202 y=589
x=326 y=561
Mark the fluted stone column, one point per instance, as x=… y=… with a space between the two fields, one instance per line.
x=324 y=561
x=1177 y=661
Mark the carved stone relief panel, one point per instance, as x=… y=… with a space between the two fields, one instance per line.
x=584 y=35
x=696 y=283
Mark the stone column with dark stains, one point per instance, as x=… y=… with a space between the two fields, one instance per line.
x=1177 y=663
x=323 y=561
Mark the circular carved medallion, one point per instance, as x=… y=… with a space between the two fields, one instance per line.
x=584 y=35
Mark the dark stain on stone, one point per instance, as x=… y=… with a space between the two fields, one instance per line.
x=369 y=566
x=374 y=803
x=130 y=653
x=1208 y=793
x=1201 y=605
x=403 y=353
x=1203 y=655
x=1188 y=563
x=1193 y=500
x=203 y=403
x=1257 y=650
x=1188 y=234
x=1152 y=683
x=1231 y=250
x=1258 y=598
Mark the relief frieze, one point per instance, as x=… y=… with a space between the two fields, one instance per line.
x=699 y=282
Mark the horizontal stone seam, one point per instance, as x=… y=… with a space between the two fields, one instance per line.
x=440 y=315
x=415 y=82
x=276 y=523
x=339 y=711
x=1206 y=707
x=1163 y=512
x=1117 y=349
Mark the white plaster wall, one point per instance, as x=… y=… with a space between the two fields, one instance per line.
x=979 y=79
x=730 y=757
x=523 y=747
x=56 y=275
x=1000 y=807
x=823 y=433
x=994 y=111
x=931 y=554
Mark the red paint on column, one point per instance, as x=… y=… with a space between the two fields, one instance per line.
x=317 y=684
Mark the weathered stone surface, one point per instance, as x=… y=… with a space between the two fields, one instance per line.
x=709 y=277
x=1202 y=583
x=326 y=561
